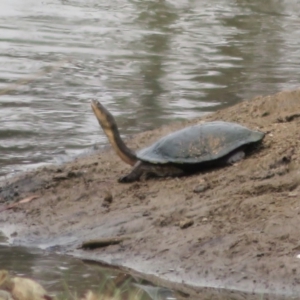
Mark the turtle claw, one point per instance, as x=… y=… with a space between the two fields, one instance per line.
x=124 y=179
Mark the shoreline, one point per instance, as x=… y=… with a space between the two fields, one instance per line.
x=244 y=233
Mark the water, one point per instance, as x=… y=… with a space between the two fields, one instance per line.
x=66 y=277
x=150 y=62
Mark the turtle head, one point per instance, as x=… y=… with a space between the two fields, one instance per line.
x=109 y=126
x=104 y=117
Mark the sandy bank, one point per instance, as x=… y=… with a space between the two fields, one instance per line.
x=245 y=231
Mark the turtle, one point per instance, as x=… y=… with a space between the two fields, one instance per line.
x=182 y=152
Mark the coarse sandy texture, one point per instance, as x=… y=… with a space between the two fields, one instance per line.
x=244 y=232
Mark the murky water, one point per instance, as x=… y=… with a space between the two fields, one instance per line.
x=67 y=277
x=150 y=62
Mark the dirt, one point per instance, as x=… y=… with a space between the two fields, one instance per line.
x=233 y=228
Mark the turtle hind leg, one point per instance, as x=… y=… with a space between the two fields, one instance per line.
x=162 y=170
x=235 y=157
x=147 y=170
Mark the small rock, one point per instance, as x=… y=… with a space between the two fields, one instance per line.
x=201 y=188
x=74 y=174
x=140 y=196
x=186 y=223
x=188 y=197
x=108 y=199
x=293 y=194
x=62 y=176
x=263 y=175
x=265 y=113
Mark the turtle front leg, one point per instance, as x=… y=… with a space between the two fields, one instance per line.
x=147 y=170
x=134 y=175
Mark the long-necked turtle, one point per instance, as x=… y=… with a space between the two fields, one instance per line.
x=181 y=152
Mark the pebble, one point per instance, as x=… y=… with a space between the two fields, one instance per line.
x=201 y=188
x=293 y=194
x=108 y=199
x=186 y=223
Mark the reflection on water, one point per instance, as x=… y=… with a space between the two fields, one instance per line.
x=63 y=275
x=149 y=61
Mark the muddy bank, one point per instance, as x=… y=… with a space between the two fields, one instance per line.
x=244 y=232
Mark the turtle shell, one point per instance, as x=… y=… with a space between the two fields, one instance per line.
x=200 y=143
